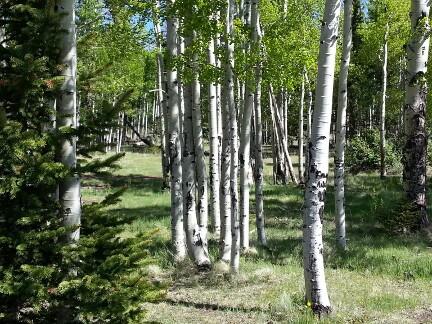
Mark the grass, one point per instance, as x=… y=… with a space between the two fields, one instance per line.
x=382 y=277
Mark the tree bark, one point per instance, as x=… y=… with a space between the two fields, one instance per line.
x=313 y=259
x=177 y=231
x=301 y=133
x=214 y=147
x=235 y=226
x=383 y=170
x=339 y=158
x=415 y=158
x=70 y=188
x=280 y=132
x=259 y=164
x=198 y=144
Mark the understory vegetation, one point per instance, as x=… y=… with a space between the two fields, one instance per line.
x=383 y=277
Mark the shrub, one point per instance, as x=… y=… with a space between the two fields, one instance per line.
x=363 y=152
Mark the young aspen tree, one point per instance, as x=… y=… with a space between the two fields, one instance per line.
x=200 y=166
x=173 y=116
x=280 y=132
x=69 y=189
x=313 y=259
x=161 y=96
x=196 y=243
x=414 y=159
x=214 y=145
x=301 y=132
x=235 y=226
x=259 y=164
x=339 y=158
x=383 y=105
x=245 y=141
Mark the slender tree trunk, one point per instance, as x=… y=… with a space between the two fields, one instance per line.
x=339 y=158
x=173 y=115
x=301 y=133
x=415 y=158
x=162 y=100
x=281 y=134
x=201 y=173
x=214 y=147
x=225 y=197
x=196 y=236
x=244 y=168
x=259 y=164
x=70 y=188
x=245 y=140
x=383 y=107
x=309 y=122
x=313 y=259
x=235 y=226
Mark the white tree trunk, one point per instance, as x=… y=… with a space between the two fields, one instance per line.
x=235 y=226
x=383 y=107
x=415 y=159
x=244 y=167
x=313 y=259
x=196 y=238
x=161 y=96
x=69 y=189
x=281 y=134
x=339 y=158
x=301 y=133
x=225 y=197
x=214 y=146
x=177 y=231
x=198 y=145
x=259 y=164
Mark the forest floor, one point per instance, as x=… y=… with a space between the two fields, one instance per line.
x=383 y=277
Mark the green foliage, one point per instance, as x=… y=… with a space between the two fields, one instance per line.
x=111 y=282
x=43 y=279
x=363 y=152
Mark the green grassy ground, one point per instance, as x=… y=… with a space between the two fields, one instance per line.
x=383 y=277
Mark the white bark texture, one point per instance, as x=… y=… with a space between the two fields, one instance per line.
x=69 y=189
x=244 y=167
x=383 y=106
x=259 y=164
x=339 y=158
x=173 y=115
x=245 y=142
x=313 y=259
x=198 y=145
x=196 y=241
x=235 y=226
x=214 y=148
x=415 y=159
x=301 y=133
x=281 y=134
x=225 y=197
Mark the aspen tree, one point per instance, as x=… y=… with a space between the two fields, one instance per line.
x=301 y=132
x=245 y=141
x=317 y=171
x=339 y=158
x=173 y=115
x=383 y=170
x=200 y=166
x=214 y=145
x=259 y=164
x=235 y=226
x=66 y=105
x=161 y=97
x=414 y=154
